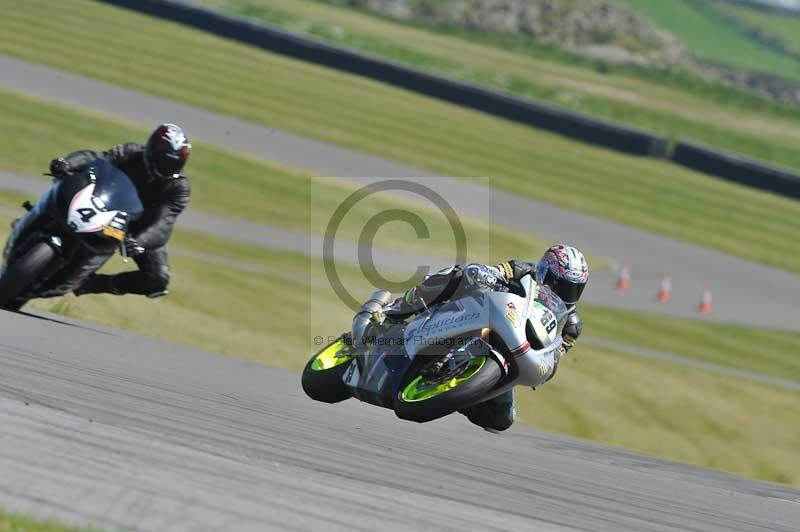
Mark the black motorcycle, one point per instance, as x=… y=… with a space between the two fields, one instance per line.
x=74 y=228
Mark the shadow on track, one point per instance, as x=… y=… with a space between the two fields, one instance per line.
x=51 y=318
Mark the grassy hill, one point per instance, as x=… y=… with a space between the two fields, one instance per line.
x=720 y=32
x=781 y=26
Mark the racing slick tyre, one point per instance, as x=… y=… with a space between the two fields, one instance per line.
x=323 y=375
x=20 y=274
x=425 y=398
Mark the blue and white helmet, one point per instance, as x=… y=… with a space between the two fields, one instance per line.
x=564 y=269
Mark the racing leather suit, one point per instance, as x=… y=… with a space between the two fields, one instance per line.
x=495 y=414
x=163 y=201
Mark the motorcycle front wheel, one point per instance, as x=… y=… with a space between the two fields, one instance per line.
x=323 y=376
x=428 y=397
x=20 y=274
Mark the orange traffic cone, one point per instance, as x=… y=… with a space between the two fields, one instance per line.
x=624 y=279
x=705 y=302
x=665 y=288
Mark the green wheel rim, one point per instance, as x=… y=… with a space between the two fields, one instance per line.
x=419 y=390
x=336 y=354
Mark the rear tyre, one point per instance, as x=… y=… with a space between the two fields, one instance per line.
x=323 y=375
x=428 y=398
x=20 y=274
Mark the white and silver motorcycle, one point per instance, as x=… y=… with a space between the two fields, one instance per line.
x=450 y=357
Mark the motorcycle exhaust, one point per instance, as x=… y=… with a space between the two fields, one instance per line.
x=363 y=318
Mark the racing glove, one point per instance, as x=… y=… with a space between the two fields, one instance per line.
x=59 y=168
x=483 y=276
x=567 y=343
x=572 y=330
x=133 y=248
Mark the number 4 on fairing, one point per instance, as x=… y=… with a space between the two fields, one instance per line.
x=86 y=214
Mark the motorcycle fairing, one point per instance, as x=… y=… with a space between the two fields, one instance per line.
x=376 y=374
x=104 y=200
x=83 y=246
x=454 y=329
x=446 y=321
x=86 y=214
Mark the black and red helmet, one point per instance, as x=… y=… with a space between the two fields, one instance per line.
x=166 y=152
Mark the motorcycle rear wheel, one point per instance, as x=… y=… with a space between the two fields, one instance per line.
x=323 y=375
x=19 y=275
x=424 y=399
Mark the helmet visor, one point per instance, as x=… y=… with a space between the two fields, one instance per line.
x=169 y=165
x=569 y=291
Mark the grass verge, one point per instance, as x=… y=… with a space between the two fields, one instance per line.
x=677 y=413
x=17 y=523
x=761 y=351
x=386 y=121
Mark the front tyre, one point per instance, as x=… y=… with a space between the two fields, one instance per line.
x=323 y=376
x=428 y=397
x=20 y=274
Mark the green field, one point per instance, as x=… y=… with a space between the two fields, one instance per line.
x=18 y=523
x=756 y=350
x=771 y=23
x=677 y=413
x=671 y=103
x=699 y=24
x=220 y=289
x=375 y=118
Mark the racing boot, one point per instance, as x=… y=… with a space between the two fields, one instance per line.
x=494 y=415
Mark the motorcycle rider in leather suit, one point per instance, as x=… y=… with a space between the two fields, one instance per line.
x=156 y=170
x=562 y=267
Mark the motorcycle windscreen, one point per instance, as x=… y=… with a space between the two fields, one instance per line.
x=549 y=299
x=114 y=191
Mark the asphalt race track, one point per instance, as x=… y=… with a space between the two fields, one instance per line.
x=102 y=427
x=769 y=302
